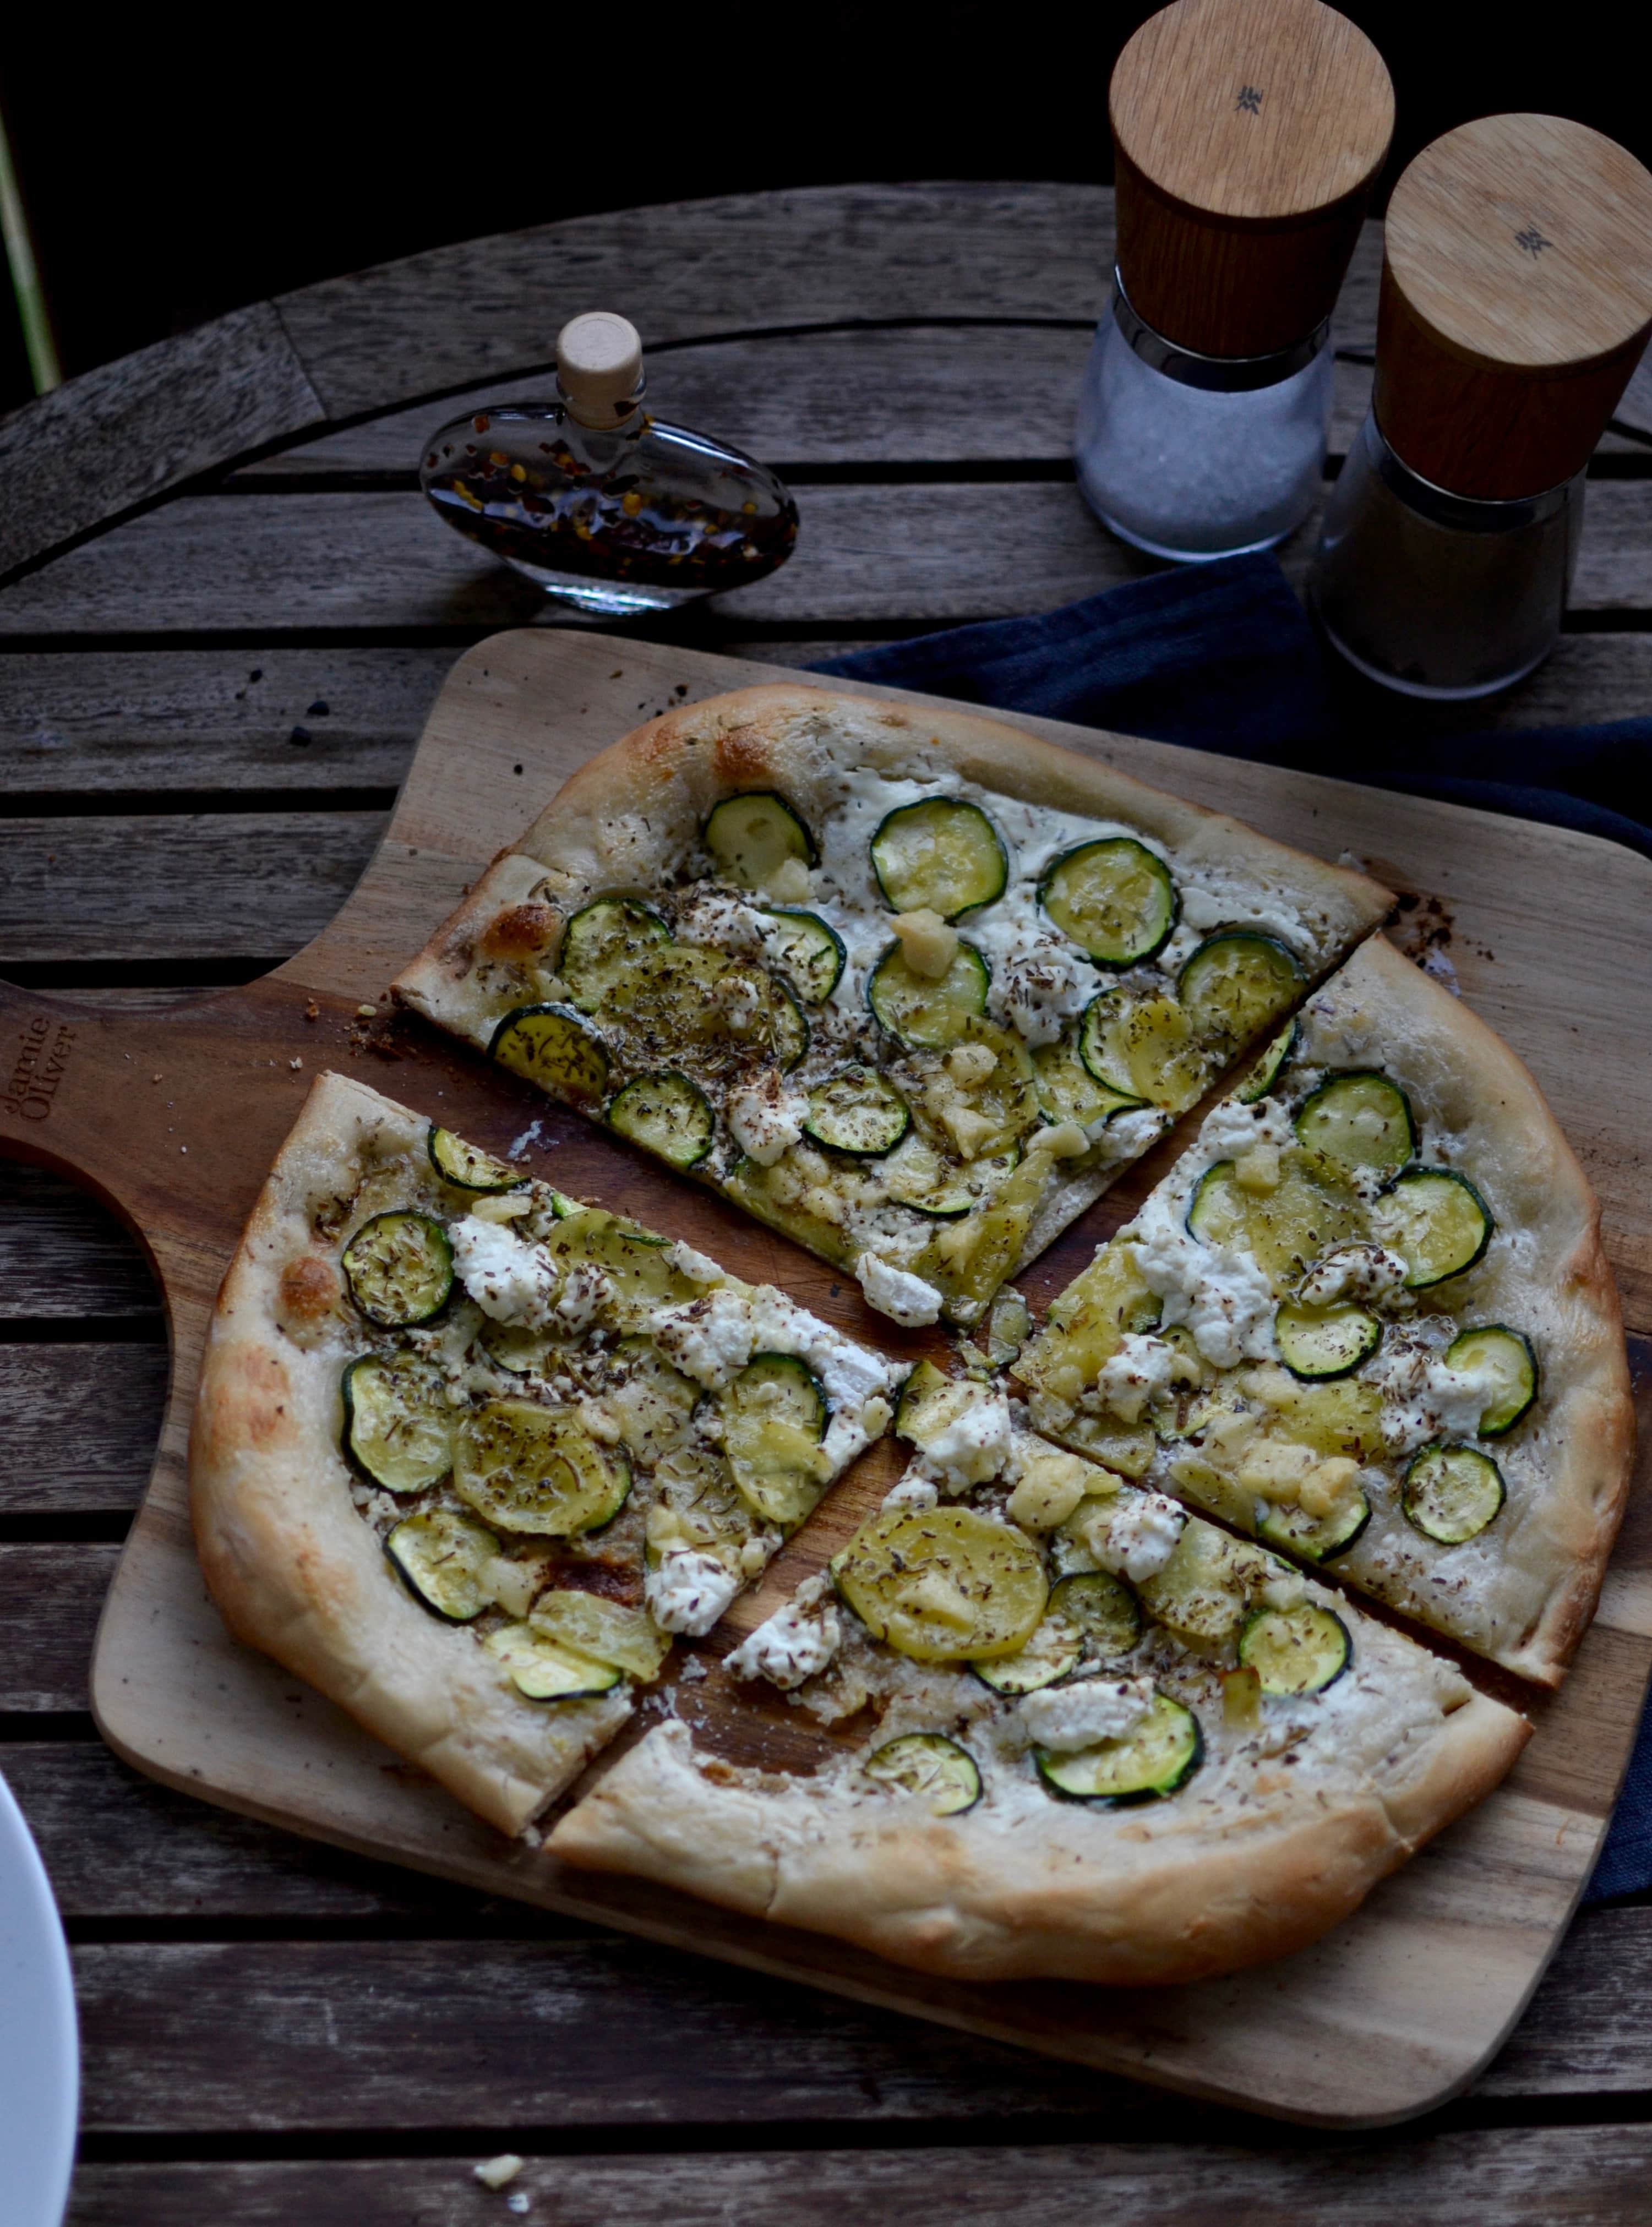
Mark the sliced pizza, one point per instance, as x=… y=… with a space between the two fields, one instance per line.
x=910 y=986
x=1367 y=1316
x=467 y=1453
x=1079 y=1733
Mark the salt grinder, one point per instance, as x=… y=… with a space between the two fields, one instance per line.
x=1247 y=135
x=1516 y=301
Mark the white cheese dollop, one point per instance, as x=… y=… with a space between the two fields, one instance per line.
x=584 y=1295
x=1424 y=1397
x=1038 y=985
x=1232 y=1127
x=1353 y=1271
x=1143 y=1368
x=695 y=1266
x=508 y=1279
x=1223 y=1296
x=913 y=1491
x=1133 y=1535
x=796 y=1642
x=709 y=1339
x=1065 y=1717
x=687 y=1592
x=765 y=1117
x=896 y=1293
x=972 y=1445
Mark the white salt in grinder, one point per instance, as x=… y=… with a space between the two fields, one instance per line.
x=1247 y=135
x=1516 y=301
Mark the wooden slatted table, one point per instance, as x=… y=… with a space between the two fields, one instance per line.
x=224 y=614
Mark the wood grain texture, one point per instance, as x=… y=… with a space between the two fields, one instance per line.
x=50 y=1600
x=124 y=433
x=1589 y=2176
x=1247 y=135
x=62 y=1256
x=233 y=1726
x=80 y=1424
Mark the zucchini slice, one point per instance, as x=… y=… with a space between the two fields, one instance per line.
x=1506 y=1355
x=1315 y=1538
x=857 y=1112
x=536 y=1469
x=515 y=1348
x=1266 y=1071
x=750 y=837
x=1053 y=1653
x=808 y=950
x=929 y=1180
x=553 y=1046
x=666 y=1114
x=1296 y=1650
x=604 y=1629
x=928 y=1764
x=943 y=1584
x=925 y=1402
x=1154 y=1760
x=1009 y=1325
x=1452 y=1493
x=546 y=1669
x=444 y=1558
x=398 y=1425
x=399 y=1268
x=1114 y=897
x=601 y=940
x=788 y=1032
x=1102 y=1608
x=1068 y=1092
x=1359 y=1120
x=1236 y=984
x=774 y=1418
x=1214 y=1216
x=1142 y=1046
x=1436 y=1222
x=1315 y=1342
x=943 y=854
x=930 y=1014
x=466 y=1168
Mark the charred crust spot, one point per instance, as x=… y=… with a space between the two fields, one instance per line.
x=742 y=756
x=522 y=931
x=308 y=1288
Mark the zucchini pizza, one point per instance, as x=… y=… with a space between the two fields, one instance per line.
x=910 y=986
x=467 y=1453
x=1367 y=1316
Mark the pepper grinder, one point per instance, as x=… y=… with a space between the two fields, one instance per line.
x=1516 y=301
x=607 y=509
x=1247 y=135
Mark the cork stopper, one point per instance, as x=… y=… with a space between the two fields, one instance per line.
x=1249 y=134
x=1516 y=301
x=599 y=366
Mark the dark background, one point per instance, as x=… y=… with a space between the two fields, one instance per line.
x=178 y=166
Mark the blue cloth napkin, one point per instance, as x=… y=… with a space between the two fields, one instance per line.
x=1222 y=657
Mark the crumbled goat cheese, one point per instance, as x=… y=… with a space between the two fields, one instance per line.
x=1065 y=1717
x=584 y=1295
x=765 y=1117
x=1141 y=1368
x=1127 y=1135
x=1424 y=1397
x=973 y=1444
x=1223 y=1296
x=687 y=1592
x=709 y=1339
x=509 y=1279
x=914 y=1491
x=796 y=1642
x=1038 y=987
x=695 y=1266
x=1353 y=1271
x=896 y=1293
x=1135 y=1535
x=499 y=2172
x=1232 y=1128
x=741 y=1000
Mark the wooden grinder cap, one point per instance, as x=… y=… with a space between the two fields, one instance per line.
x=1516 y=300
x=1249 y=134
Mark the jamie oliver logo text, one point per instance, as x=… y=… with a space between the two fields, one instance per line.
x=43 y=1054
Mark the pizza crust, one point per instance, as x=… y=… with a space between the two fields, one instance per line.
x=292 y=1566
x=1150 y=1896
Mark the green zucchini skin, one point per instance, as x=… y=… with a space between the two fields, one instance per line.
x=1316 y=1357
x=1275 y=1059
x=907 y=887
x=600 y=937
x=1313 y=1545
x=817 y=975
x=370 y=1398
x=463 y=1166
x=1457 y=1262
x=929 y=1016
x=857 y=1113
x=1236 y=983
x=555 y=1047
x=751 y=834
x=421 y=1548
x=1325 y=1116
x=369 y=1266
x=1325 y=1643
x=1497 y=1422
x=1129 y=944
x=1103 y=1605
x=1063 y=1775
x=1437 y=1465
x=917 y=1758
x=667 y=1115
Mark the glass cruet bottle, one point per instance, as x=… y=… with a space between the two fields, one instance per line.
x=607 y=509
x=1246 y=140
x=1516 y=302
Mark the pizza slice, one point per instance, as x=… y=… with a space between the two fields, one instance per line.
x=1068 y=1731
x=467 y=1453
x=1367 y=1316
x=910 y=986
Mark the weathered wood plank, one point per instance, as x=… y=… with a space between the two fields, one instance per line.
x=213 y=720
x=964 y=394
x=62 y=1255
x=929 y=552
x=124 y=432
x=80 y=1424
x=1590 y=2176
x=50 y=1600
x=251 y=884
x=588 y=2031
x=156 y=1855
